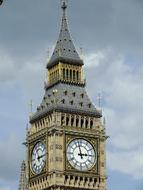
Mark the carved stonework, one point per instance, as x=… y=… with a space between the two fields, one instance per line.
x=66 y=115
x=23 y=183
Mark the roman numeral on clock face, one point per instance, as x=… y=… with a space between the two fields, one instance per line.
x=81 y=154
x=38 y=159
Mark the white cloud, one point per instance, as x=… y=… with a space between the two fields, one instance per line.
x=28 y=76
x=128 y=162
x=4 y=188
x=122 y=90
x=7 y=68
x=94 y=59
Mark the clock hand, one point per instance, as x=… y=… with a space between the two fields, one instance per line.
x=86 y=155
x=80 y=153
x=39 y=157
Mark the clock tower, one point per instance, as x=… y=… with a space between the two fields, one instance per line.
x=66 y=140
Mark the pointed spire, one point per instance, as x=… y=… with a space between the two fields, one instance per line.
x=65 y=50
x=23 y=180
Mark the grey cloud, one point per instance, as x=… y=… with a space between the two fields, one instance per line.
x=27 y=27
x=122 y=103
x=11 y=155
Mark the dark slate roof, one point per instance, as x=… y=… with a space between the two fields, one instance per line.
x=68 y=98
x=65 y=50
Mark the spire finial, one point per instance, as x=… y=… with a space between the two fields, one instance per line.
x=64 y=5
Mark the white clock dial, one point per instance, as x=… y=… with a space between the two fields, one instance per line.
x=81 y=154
x=38 y=157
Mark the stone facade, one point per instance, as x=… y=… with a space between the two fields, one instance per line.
x=66 y=114
x=23 y=183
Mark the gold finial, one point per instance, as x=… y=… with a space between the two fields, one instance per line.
x=99 y=98
x=64 y=4
x=31 y=106
x=1 y=1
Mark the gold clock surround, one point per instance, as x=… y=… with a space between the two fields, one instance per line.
x=94 y=142
x=31 y=147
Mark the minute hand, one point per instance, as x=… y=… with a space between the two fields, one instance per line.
x=80 y=153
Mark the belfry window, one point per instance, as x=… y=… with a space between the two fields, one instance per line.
x=72 y=121
x=86 y=124
x=67 y=74
x=74 y=75
x=77 y=75
x=82 y=122
x=91 y=124
x=70 y=74
x=67 y=121
x=64 y=75
x=62 y=120
x=77 y=122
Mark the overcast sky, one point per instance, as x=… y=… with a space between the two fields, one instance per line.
x=111 y=35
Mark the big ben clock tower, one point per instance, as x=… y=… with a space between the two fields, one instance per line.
x=66 y=140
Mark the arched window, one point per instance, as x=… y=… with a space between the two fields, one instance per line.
x=82 y=122
x=55 y=75
x=77 y=122
x=62 y=120
x=58 y=74
x=86 y=124
x=76 y=179
x=91 y=124
x=73 y=75
x=52 y=76
x=64 y=76
x=72 y=121
x=67 y=121
x=70 y=74
x=77 y=75
x=66 y=178
x=67 y=74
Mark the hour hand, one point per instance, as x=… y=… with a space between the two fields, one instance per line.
x=87 y=155
x=39 y=157
x=82 y=155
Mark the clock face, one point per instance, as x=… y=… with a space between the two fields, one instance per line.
x=81 y=154
x=38 y=157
